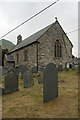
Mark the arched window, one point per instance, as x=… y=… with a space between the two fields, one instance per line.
x=25 y=54
x=57 y=49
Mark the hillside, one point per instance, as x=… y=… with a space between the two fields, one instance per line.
x=6 y=44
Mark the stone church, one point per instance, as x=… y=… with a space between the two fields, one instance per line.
x=50 y=44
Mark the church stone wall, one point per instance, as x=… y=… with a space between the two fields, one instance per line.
x=31 y=56
x=46 y=47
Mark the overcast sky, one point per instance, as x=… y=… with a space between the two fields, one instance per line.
x=14 y=13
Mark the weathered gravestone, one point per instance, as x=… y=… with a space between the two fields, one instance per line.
x=28 y=79
x=60 y=68
x=41 y=69
x=11 y=82
x=40 y=79
x=23 y=69
x=11 y=69
x=34 y=69
x=50 y=83
x=73 y=66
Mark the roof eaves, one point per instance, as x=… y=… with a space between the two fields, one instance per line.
x=21 y=47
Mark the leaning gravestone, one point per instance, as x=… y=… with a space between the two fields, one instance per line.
x=11 y=82
x=60 y=68
x=50 y=83
x=40 y=79
x=28 y=79
x=34 y=69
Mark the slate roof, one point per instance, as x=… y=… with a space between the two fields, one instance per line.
x=33 y=38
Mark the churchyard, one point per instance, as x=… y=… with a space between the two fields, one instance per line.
x=28 y=101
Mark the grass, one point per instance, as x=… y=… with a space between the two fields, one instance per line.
x=28 y=102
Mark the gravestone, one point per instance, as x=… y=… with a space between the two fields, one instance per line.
x=50 y=83
x=34 y=69
x=73 y=66
x=41 y=69
x=11 y=82
x=40 y=79
x=28 y=79
x=11 y=69
x=60 y=68
x=22 y=70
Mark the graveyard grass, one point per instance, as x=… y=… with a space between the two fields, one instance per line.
x=28 y=102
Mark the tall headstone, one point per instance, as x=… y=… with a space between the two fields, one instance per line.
x=11 y=82
x=28 y=79
x=50 y=83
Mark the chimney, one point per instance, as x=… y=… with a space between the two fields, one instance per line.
x=19 y=39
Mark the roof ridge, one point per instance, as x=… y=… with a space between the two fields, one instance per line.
x=29 y=39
